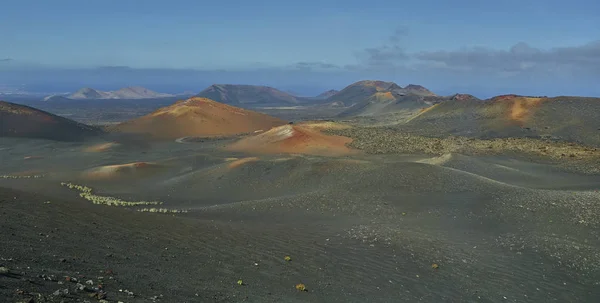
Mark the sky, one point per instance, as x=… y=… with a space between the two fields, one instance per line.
x=540 y=47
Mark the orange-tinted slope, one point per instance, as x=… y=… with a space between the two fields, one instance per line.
x=520 y=108
x=293 y=139
x=27 y=122
x=130 y=170
x=198 y=117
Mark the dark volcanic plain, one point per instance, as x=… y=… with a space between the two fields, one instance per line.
x=406 y=217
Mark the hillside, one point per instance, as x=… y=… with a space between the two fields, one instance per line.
x=198 y=117
x=27 y=122
x=133 y=92
x=376 y=98
x=558 y=118
x=364 y=94
x=248 y=95
x=327 y=94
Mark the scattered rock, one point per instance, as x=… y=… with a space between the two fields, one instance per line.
x=99 y=295
x=301 y=287
x=80 y=287
x=61 y=292
x=48 y=277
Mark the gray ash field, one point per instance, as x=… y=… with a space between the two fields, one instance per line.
x=399 y=225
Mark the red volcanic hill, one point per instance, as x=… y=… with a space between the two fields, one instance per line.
x=200 y=117
x=294 y=139
x=23 y=121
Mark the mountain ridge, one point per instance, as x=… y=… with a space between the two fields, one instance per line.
x=130 y=92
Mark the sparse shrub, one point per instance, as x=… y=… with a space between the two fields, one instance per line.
x=86 y=193
x=162 y=210
x=21 y=177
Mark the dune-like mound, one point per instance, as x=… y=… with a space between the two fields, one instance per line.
x=295 y=139
x=119 y=171
x=101 y=147
x=234 y=163
x=23 y=121
x=198 y=117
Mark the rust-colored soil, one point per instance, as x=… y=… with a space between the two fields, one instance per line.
x=198 y=117
x=240 y=162
x=133 y=170
x=102 y=147
x=295 y=139
x=520 y=108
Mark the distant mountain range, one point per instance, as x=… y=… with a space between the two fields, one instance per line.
x=132 y=92
x=264 y=95
x=372 y=102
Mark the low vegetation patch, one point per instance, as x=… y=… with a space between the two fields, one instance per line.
x=21 y=177
x=389 y=141
x=163 y=210
x=86 y=193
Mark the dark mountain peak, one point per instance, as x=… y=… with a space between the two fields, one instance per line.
x=247 y=94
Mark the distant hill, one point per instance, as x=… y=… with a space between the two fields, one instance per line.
x=198 y=117
x=248 y=95
x=560 y=118
x=372 y=98
x=363 y=91
x=27 y=122
x=134 y=92
x=327 y=94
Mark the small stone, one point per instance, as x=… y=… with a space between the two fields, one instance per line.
x=4 y=270
x=435 y=266
x=89 y=282
x=287 y=258
x=80 y=287
x=301 y=287
x=61 y=292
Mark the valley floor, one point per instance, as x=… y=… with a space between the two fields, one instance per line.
x=393 y=226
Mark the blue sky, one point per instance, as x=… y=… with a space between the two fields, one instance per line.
x=444 y=45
